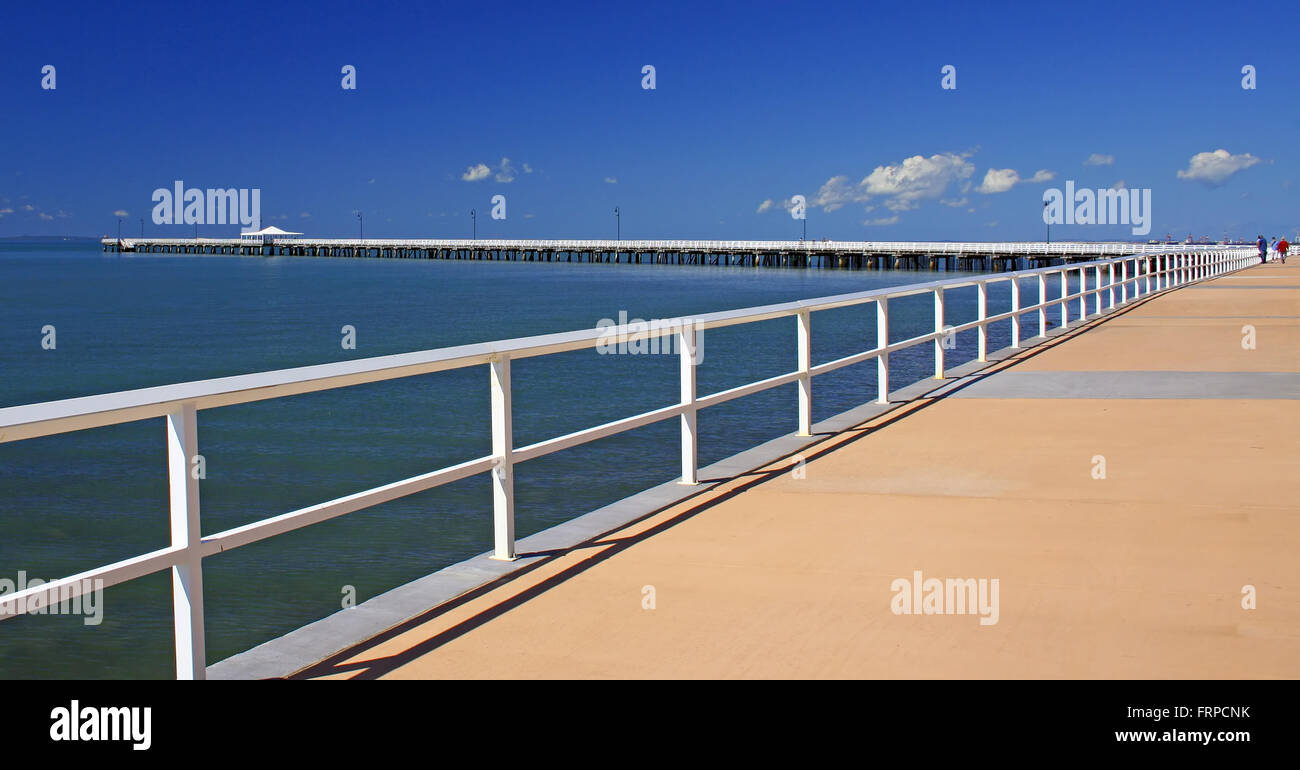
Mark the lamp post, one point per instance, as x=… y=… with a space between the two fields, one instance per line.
x=618 y=224
x=473 y=215
x=804 y=237
x=361 y=222
x=1049 y=224
x=119 y=229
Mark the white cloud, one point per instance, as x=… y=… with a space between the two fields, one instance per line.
x=955 y=204
x=476 y=172
x=916 y=178
x=6 y=211
x=29 y=207
x=121 y=213
x=770 y=204
x=881 y=221
x=1214 y=168
x=305 y=215
x=836 y=192
x=611 y=180
x=1097 y=159
x=1120 y=185
x=506 y=171
x=999 y=180
x=902 y=186
x=45 y=216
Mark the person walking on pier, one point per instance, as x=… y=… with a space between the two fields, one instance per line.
x=1263 y=249
x=1282 y=246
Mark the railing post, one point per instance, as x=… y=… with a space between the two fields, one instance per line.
x=805 y=376
x=1096 y=290
x=503 y=475
x=1123 y=282
x=1065 y=303
x=1042 y=304
x=1146 y=274
x=1015 y=312
x=187 y=573
x=940 y=366
x=688 y=341
x=1110 y=285
x=882 y=341
x=1083 y=293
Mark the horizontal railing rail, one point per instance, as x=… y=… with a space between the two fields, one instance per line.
x=1115 y=282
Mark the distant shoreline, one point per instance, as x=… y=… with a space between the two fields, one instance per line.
x=47 y=238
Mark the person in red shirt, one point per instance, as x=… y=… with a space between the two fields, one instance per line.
x=1281 y=250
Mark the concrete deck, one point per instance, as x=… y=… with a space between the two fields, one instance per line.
x=778 y=573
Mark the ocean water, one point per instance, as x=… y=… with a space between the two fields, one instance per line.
x=76 y=501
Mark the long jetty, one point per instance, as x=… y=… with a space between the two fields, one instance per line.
x=850 y=255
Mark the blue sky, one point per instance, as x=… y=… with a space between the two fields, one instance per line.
x=753 y=102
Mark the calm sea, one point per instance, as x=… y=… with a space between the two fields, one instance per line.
x=80 y=500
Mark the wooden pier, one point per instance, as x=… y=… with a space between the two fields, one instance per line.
x=842 y=255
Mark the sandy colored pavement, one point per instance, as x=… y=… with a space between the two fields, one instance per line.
x=784 y=574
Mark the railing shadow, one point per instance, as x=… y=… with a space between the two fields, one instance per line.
x=609 y=544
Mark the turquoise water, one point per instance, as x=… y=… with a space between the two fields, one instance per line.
x=76 y=501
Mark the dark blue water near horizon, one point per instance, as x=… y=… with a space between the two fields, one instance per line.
x=80 y=500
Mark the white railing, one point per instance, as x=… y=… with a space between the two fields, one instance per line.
x=1131 y=277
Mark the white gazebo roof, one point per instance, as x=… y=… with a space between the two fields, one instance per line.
x=272 y=230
